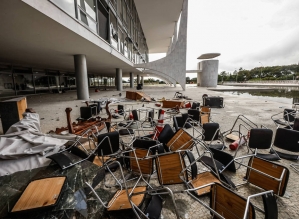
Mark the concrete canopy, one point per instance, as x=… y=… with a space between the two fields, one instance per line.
x=208 y=55
x=38 y=34
x=158 y=20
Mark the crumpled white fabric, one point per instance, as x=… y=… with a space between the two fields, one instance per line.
x=25 y=147
x=29 y=122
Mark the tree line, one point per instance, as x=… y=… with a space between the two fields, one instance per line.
x=285 y=72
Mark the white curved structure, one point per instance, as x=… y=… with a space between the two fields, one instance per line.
x=173 y=66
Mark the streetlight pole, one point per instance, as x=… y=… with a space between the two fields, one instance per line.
x=261 y=71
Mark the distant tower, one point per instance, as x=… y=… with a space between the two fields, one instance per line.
x=207 y=75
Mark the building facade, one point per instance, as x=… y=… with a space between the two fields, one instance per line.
x=57 y=45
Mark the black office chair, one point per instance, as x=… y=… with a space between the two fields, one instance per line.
x=166 y=134
x=261 y=138
x=287 y=140
x=212 y=136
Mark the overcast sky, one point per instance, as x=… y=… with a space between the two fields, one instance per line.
x=247 y=33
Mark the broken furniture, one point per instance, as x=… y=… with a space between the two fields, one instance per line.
x=96 y=124
x=133 y=95
x=173 y=103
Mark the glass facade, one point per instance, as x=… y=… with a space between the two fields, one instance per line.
x=126 y=34
x=17 y=81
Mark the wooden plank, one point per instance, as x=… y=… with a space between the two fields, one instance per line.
x=173 y=103
x=203 y=179
x=122 y=201
x=140 y=95
x=131 y=95
x=40 y=193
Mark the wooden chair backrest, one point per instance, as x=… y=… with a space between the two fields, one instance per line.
x=180 y=141
x=229 y=204
x=146 y=165
x=205 y=110
x=169 y=167
x=265 y=182
x=205 y=114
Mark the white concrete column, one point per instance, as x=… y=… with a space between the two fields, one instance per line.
x=119 y=79
x=142 y=80
x=138 y=79
x=81 y=77
x=208 y=75
x=131 y=80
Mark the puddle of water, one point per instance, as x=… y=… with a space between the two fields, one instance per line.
x=286 y=95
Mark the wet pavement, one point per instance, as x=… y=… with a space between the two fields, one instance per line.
x=51 y=108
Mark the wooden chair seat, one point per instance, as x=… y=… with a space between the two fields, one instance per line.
x=229 y=204
x=180 y=141
x=169 y=167
x=40 y=193
x=203 y=179
x=266 y=182
x=146 y=165
x=122 y=202
x=232 y=137
x=98 y=161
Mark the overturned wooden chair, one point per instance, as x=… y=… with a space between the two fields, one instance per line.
x=181 y=140
x=267 y=175
x=172 y=168
x=226 y=204
x=233 y=206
